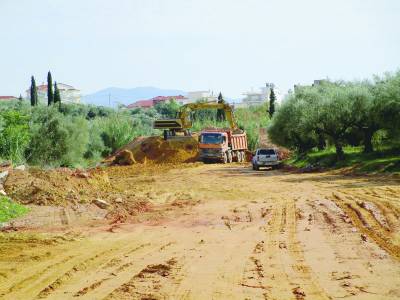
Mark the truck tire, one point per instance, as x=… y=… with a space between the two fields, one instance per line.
x=229 y=157
x=255 y=167
x=241 y=156
x=224 y=158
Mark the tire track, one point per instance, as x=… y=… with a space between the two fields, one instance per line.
x=108 y=275
x=307 y=286
x=367 y=224
x=89 y=271
x=277 y=279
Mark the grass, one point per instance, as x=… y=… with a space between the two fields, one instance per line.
x=10 y=210
x=379 y=161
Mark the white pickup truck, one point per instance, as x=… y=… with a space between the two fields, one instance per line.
x=266 y=157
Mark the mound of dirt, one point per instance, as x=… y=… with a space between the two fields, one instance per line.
x=57 y=187
x=155 y=149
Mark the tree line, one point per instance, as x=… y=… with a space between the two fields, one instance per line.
x=340 y=113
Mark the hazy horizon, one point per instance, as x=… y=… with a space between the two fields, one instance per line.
x=228 y=46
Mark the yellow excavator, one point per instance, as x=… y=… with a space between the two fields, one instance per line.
x=183 y=123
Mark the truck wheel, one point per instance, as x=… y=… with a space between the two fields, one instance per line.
x=225 y=158
x=229 y=157
x=255 y=167
x=241 y=155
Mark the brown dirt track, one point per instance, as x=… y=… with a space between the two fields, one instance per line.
x=216 y=232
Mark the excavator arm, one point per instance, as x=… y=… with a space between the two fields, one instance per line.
x=183 y=122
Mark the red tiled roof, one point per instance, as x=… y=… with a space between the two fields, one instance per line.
x=141 y=103
x=166 y=98
x=151 y=102
x=7 y=97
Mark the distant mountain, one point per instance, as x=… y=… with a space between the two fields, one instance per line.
x=111 y=97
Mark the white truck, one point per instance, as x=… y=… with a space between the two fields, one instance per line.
x=266 y=157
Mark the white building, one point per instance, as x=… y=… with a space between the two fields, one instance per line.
x=201 y=95
x=259 y=97
x=68 y=93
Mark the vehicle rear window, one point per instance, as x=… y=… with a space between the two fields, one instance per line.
x=266 y=152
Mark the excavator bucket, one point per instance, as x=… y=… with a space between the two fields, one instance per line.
x=168 y=124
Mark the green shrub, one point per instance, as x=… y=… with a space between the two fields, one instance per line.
x=116 y=131
x=14 y=135
x=49 y=142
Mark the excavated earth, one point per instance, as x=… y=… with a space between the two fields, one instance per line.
x=194 y=231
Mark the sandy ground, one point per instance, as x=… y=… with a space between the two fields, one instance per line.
x=217 y=232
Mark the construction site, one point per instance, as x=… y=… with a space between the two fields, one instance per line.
x=157 y=220
x=200 y=150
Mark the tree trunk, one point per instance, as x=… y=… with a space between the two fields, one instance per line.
x=368 y=147
x=339 y=150
x=321 y=142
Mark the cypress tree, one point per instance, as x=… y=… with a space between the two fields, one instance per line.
x=57 y=96
x=50 y=94
x=220 y=112
x=33 y=92
x=272 y=99
x=20 y=97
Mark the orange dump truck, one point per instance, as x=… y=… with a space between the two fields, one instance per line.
x=222 y=145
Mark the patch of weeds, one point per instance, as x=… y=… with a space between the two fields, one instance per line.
x=10 y=209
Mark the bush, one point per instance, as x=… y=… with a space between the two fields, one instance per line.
x=14 y=135
x=49 y=141
x=116 y=131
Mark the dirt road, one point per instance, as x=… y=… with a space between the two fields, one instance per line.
x=221 y=232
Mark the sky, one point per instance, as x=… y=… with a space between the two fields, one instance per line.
x=221 y=45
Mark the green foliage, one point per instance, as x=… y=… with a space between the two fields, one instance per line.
x=116 y=131
x=50 y=94
x=9 y=209
x=272 y=100
x=57 y=96
x=71 y=135
x=386 y=160
x=252 y=119
x=220 y=112
x=49 y=137
x=339 y=113
x=167 y=109
x=14 y=135
x=33 y=92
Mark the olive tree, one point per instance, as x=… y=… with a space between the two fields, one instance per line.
x=290 y=126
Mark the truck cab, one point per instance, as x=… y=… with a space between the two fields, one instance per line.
x=213 y=146
x=222 y=145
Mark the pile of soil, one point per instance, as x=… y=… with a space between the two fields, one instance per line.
x=57 y=187
x=155 y=149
